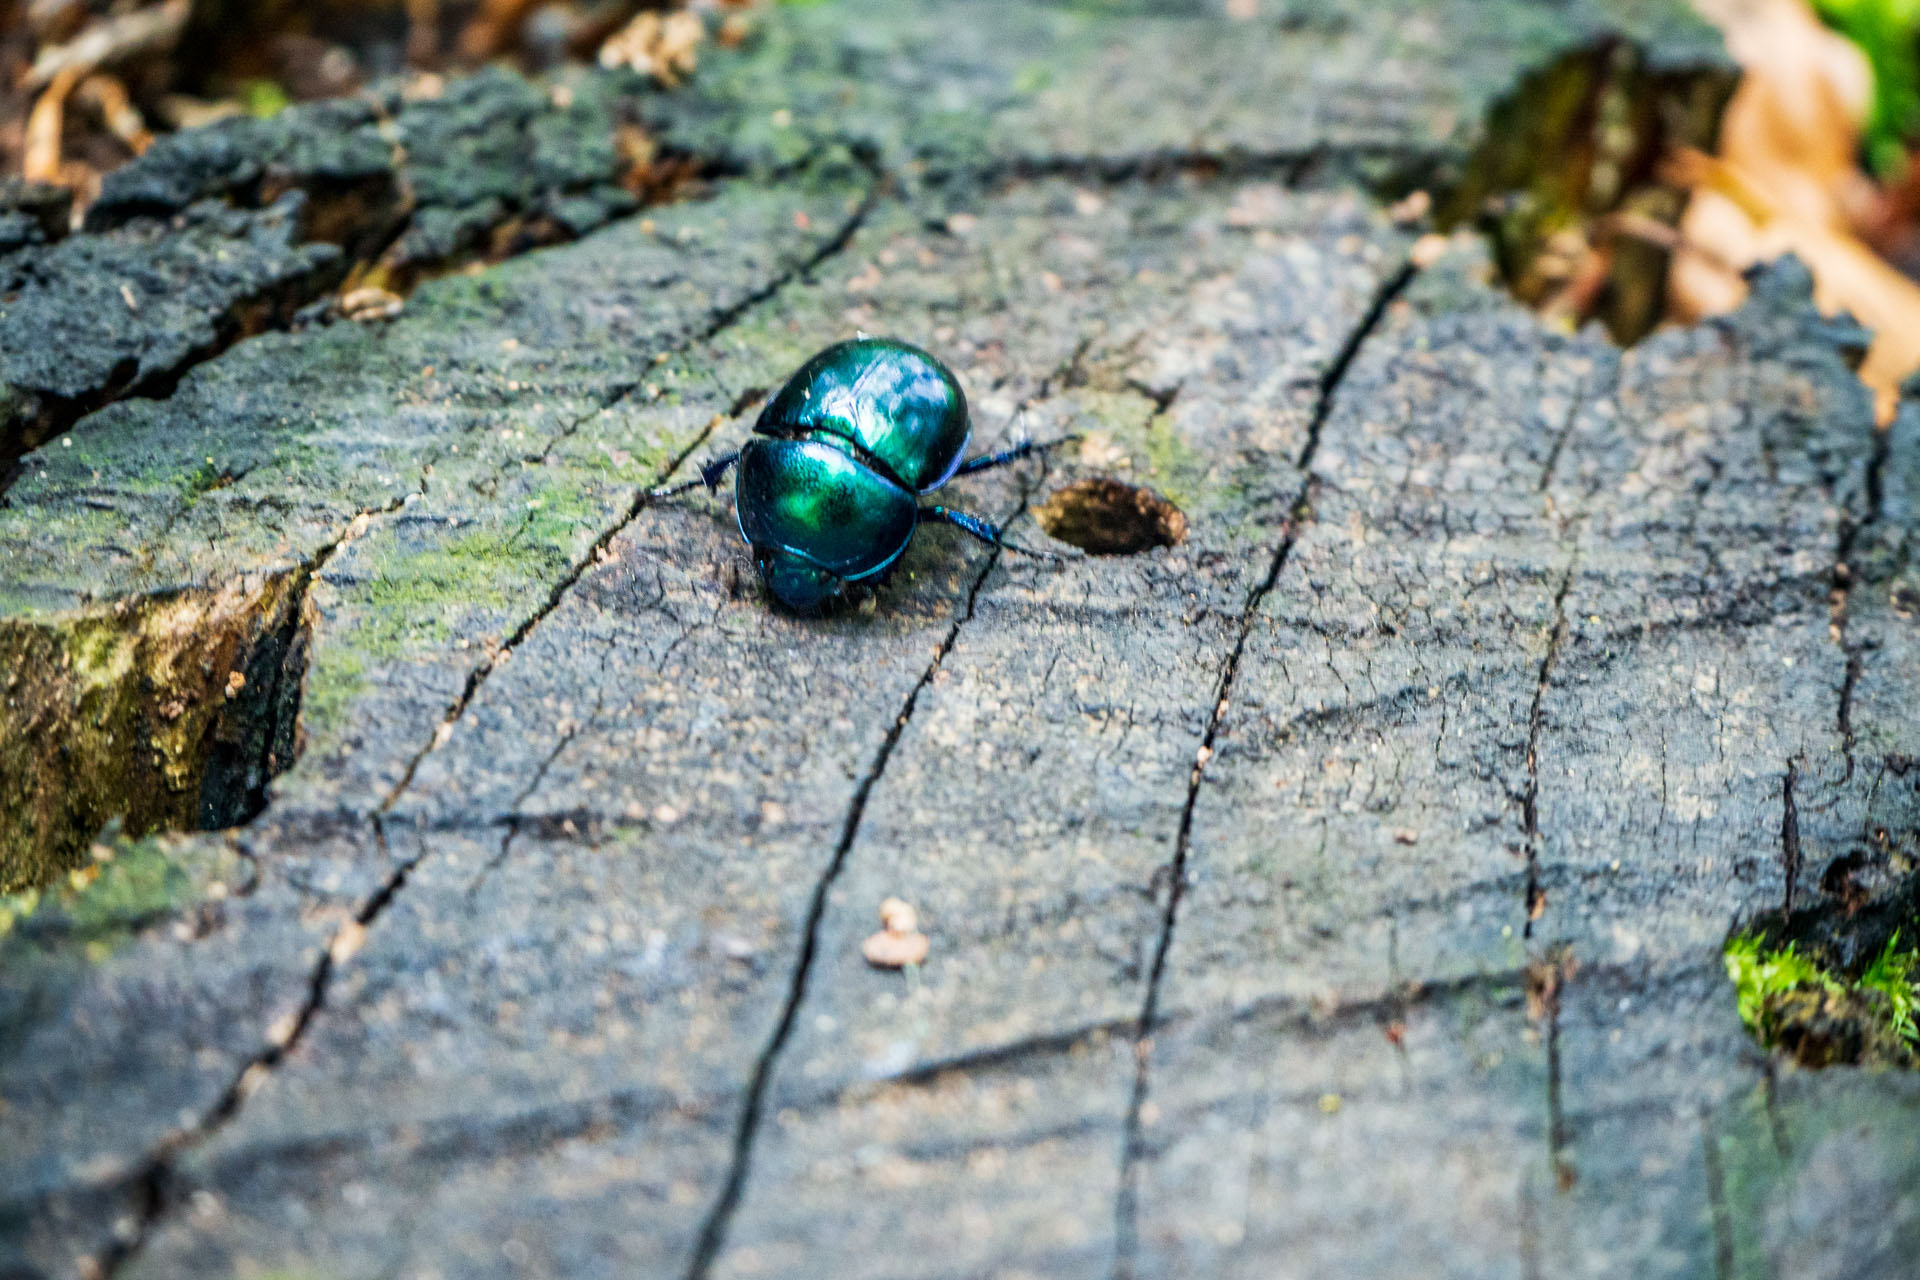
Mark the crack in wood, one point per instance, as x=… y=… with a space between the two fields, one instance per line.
x=713 y=1229
x=1536 y=902
x=1723 y=1255
x=540 y=1128
x=643 y=497
x=1406 y=167
x=1126 y=1203
x=1559 y=1135
x=516 y=817
x=149 y=1184
x=1789 y=835
x=1843 y=579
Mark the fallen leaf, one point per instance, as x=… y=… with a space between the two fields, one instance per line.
x=1786 y=180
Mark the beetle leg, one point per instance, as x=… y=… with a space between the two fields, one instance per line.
x=987 y=461
x=1026 y=448
x=711 y=474
x=984 y=530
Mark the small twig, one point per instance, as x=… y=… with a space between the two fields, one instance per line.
x=423 y=32
x=114 y=40
x=1638 y=226
x=494 y=28
x=105 y=94
x=45 y=127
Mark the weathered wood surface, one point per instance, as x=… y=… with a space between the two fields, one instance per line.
x=1339 y=892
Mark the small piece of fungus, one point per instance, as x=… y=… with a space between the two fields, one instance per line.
x=899 y=942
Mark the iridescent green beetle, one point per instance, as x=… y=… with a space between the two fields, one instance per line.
x=828 y=488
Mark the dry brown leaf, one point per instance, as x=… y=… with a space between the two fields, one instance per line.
x=1786 y=181
x=1848 y=276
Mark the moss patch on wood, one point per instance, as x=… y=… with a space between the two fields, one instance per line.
x=161 y=712
x=1826 y=1017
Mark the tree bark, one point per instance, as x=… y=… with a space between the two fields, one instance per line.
x=1339 y=891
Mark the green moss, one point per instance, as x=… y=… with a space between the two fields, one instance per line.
x=334 y=681
x=201 y=480
x=92 y=910
x=1032 y=78
x=1173 y=466
x=1764 y=977
x=1758 y=973
x=1893 y=974
x=418 y=599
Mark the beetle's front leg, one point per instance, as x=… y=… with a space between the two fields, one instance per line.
x=1025 y=449
x=711 y=474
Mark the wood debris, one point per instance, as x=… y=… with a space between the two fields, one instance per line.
x=365 y=305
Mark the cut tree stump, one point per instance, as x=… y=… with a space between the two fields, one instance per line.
x=1340 y=890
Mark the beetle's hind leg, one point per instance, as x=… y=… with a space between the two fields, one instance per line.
x=712 y=472
x=985 y=530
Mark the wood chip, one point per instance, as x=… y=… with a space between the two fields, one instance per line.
x=371 y=303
